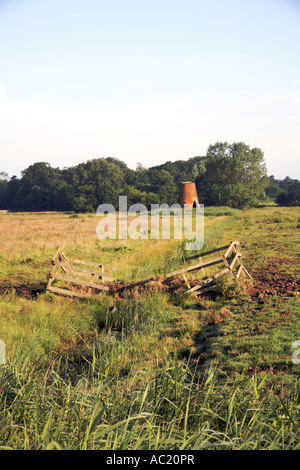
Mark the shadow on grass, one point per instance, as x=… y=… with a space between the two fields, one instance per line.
x=202 y=352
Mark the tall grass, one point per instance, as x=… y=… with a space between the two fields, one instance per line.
x=173 y=410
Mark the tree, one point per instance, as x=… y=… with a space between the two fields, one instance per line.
x=291 y=195
x=273 y=189
x=163 y=184
x=235 y=175
x=41 y=189
x=3 y=176
x=96 y=182
x=142 y=178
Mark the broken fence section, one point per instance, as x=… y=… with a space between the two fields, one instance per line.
x=76 y=272
x=230 y=261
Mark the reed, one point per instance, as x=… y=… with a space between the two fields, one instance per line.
x=173 y=410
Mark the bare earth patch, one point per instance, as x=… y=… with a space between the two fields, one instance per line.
x=28 y=291
x=272 y=279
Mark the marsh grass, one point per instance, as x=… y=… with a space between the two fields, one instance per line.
x=150 y=371
x=172 y=410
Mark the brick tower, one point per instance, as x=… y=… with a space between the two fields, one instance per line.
x=188 y=195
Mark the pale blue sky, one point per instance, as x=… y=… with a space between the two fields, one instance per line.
x=148 y=81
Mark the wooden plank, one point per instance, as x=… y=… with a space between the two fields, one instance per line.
x=235 y=249
x=194 y=267
x=206 y=253
x=240 y=269
x=63 y=256
x=66 y=264
x=87 y=263
x=58 y=250
x=51 y=274
x=202 y=269
x=227 y=266
x=87 y=271
x=246 y=272
x=234 y=260
x=210 y=262
x=57 y=290
x=206 y=289
x=208 y=281
x=230 y=248
x=81 y=283
x=60 y=258
x=186 y=281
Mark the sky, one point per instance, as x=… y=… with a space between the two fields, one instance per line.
x=148 y=81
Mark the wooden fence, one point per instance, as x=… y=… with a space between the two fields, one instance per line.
x=230 y=261
x=71 y=272
x=76 y=272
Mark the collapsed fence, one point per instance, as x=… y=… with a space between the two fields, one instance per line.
x=231 y=261
x=73 y=274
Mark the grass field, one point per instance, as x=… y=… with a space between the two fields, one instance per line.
x=163 y=371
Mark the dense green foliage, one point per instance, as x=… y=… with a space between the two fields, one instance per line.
x=229 y=175
x=285 y=192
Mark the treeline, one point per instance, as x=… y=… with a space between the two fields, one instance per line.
x=284 y=192
x=232 y=175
